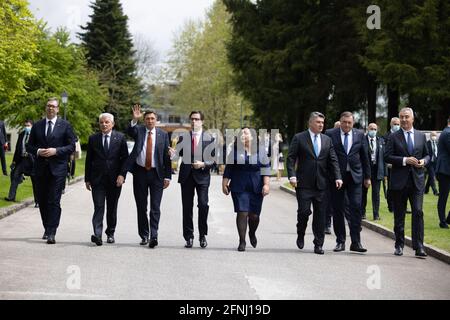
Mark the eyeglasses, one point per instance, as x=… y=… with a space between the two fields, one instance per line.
x=196 y=119
x=51 y=106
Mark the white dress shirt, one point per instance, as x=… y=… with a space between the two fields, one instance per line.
x=140 y=160
x=373 y=154
x=350 y=143
x=53 y=124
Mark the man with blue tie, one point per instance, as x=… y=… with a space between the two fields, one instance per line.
x=407 y=152
x=352 y=153
x=52 y=140
x=150 y=164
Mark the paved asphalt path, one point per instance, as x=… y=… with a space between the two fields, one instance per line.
x=74 y=268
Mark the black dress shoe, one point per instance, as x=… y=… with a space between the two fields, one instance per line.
x=443 y=225
x=203 y=242
x=398 y=251
x=327 y=230
x=357 y=247
x=241 y=246
x=45 y=236
x=97 y=240
x=189 y=243
x=253 y=240
x=153 y=243
x=339 y=247
x=420 y=252
x=375 y=218
x=110 y=239
x=10 y=200
x=318 y=250
x=144 y=242
x=36 y=205
x=300 y=242
x=51 y=239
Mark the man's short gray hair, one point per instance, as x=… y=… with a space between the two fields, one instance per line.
x=53 y=99
x=315 y=114
x=407 y=109
x=106 y=115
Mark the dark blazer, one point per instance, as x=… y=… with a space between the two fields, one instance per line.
x=162 y=159
x=381 y=166
x=17 y=158
x=312 y=172
x=99 y=163
x=357 y=158
x=62 y=138
x=242 y=175
x=2 y=134
x=430 y=150
x=443 y=159
x=200 y=176
x=396 y=150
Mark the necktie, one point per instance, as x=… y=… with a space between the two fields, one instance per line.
x=316 y=146
x=148 y=156
x=371 y=145
x=106 y=144
x=346 y=143
x=194 y=143
x=49 y=128
x=25 y=141
x=434 y=149
x=410 y=144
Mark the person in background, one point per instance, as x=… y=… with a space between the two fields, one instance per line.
x=3 y=147
x=443 y=174
x=431 y=167
x=395 y=126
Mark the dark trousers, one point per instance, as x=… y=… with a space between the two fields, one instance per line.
x=376 y=184
x=353 y=191
x=431 y=169
x=17 y=178
x=188 y=189
x=329 y=207
x=3 y=159
x=101 y=193
x=49 y=190
x=306 y=197
x=389 y=197
x=444 y=187
x=415 y=197
x=143 y=182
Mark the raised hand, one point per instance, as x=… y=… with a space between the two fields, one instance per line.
x=137 y=113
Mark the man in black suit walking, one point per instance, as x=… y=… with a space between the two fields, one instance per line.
x=395 y=126
x=317 y=161
x=3 y=146
x=52 y=140
x=195 y=176
x=22 y=164
x=443 y=174
x=151 y=167
x=105 y=159
x=407 y=152
x=352 y=153
x=377 y=170
x=431 y=167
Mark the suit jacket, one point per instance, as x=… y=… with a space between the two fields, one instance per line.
x=248 y=176
x=2 y=133
x=110 y=164
x=357 y=157
x=200 y=176
x=312 y=172
x=381 y=166
x=161 y=156
x=443 y=159
x=430 y=150
x=396 y=150
x=62 y=138
x=17 y=158
x=28 y=161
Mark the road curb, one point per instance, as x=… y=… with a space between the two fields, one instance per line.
x=7 y=211
x=434 y=252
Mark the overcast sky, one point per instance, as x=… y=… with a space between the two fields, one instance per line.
x=156 y=20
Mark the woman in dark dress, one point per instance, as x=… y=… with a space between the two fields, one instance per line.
x=248 y=180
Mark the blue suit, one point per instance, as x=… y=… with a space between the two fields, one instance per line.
x=357 y=162
x=443 y=172
x=51 y=172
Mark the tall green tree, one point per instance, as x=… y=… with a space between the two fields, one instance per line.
x=109 y=50
x=18 y=46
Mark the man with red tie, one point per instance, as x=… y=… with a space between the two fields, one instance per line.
x=149 y=162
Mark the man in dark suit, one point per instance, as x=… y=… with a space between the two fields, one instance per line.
x=3 y=146
x=52 y=140
x=105 y=159
x=407 y=152
x=431 y=167
x=352 y=153
x=395 y=126
x=195 y=175
x=317 y=161
x=151 y=167
x=377 y=170
x=443 y=174
x=22 y=164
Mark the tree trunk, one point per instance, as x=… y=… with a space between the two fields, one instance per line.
x=372 y=99
x=393 y=103
x=441 y=117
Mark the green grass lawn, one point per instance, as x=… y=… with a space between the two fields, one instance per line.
x=25 y=191
x=434 y=235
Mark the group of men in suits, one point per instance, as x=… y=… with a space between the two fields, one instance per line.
x=353 y=162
